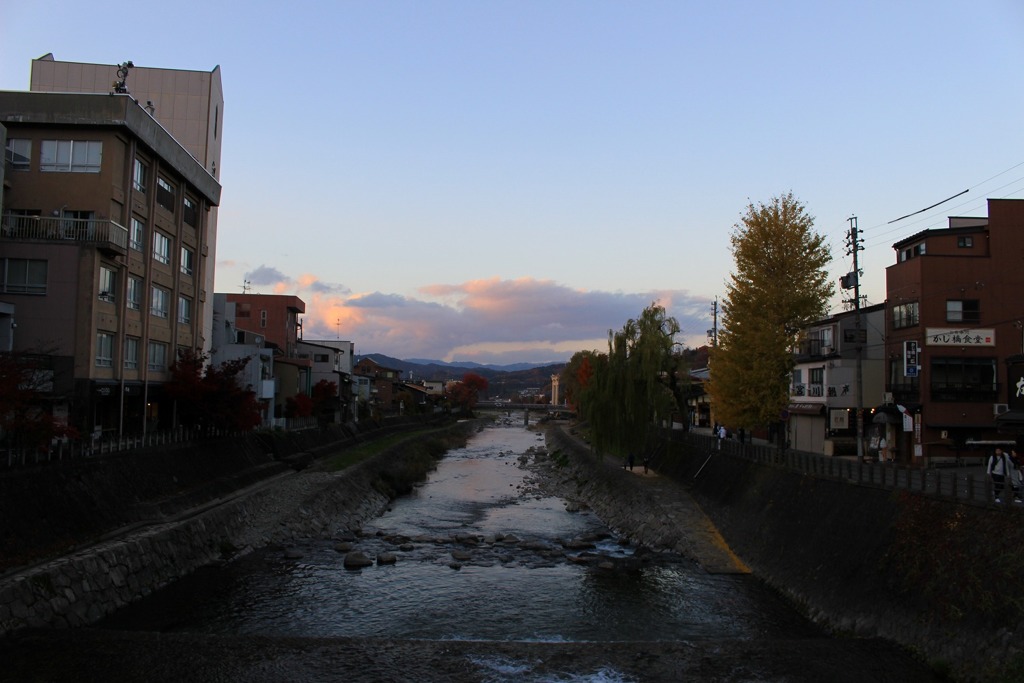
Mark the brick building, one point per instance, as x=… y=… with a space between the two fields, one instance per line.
x=954 y=320
x=274 y=319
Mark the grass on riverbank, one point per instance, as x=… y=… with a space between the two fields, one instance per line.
x=368 y=449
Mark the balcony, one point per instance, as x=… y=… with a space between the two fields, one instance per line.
x=814 y=348
x=100 y=233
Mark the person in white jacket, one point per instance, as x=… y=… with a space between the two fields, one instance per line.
x=1003 y=470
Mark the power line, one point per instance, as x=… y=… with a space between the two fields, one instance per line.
x=929 y=207
x=972 y=187
x=876 y=241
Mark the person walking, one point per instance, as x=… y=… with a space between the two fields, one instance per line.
x=1002 y=471
x=721 y=436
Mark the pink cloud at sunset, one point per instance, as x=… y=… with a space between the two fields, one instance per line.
x=485 y=320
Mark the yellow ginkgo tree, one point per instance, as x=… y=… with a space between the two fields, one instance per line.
x=780 y=284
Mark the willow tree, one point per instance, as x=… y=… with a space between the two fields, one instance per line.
x=629 y=389
x=779 y=285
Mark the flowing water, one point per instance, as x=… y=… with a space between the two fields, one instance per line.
x=481 y=555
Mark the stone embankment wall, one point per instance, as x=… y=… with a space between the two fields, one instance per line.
x=938 y=576
x=647 y=511
x=82 y=587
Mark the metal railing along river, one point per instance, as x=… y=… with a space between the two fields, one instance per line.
x=962 y=484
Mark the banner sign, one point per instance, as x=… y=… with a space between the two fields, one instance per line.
x=949 y=336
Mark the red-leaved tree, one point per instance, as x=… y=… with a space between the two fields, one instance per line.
x=466 y=393
x=210 y=396
x=25 y=418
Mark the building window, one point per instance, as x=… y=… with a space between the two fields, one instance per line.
x=816 y=382
x=104 y=349
x=189 y=211
x=24 y=276
x=131 y=353
x=18 y=154
x=263 y=318
x=139 y=173
x=134 y=293
x=243 y=310
x=165 y=194
x=964 y=379
x=911 y=252
x=321 y=358
x=161 y=247
x=184 y=310
x=965 y=242
x=157 y=356
x=187 y=261
x=76 y=156
x=158 y=304
x=905 y=315
x=963 y=311
x=108 y=284
x=138 y=236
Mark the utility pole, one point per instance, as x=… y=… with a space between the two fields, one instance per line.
x=854 y=246
x=713 y=332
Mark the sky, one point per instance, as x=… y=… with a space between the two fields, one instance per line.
x=506 y=181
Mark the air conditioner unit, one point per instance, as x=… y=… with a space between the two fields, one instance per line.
x=825 y=350
x=887 y=398
x=999 y=408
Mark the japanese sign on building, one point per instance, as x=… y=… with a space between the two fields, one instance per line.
x=1015 y=377
x=910 y=359
x=949 y=336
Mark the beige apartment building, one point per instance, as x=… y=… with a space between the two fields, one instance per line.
x=188 y=104
x=106 y=251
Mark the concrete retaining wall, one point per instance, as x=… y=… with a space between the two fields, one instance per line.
x=84 y=586
x=938 y=576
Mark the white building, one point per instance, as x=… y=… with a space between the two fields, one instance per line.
x=229 y=343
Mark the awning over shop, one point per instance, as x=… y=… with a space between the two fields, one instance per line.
x=1011 y=420
x=806 y=409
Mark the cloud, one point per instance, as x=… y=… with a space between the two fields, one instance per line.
x=487 y=321
x=267 y=275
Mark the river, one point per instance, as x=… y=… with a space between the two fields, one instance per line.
x=480 y=555
x=493 y=580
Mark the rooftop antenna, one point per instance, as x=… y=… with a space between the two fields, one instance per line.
x=122 y=76
x=246 y=286
x=338 y=322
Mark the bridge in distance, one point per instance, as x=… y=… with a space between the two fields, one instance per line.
x=535 y=407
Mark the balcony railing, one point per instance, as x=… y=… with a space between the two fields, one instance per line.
x=963 y=392
x=906 y=392
x=103 y=233
x=814 y=348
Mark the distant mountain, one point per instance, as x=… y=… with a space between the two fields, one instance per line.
x=504 y=380
x=512 y=367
